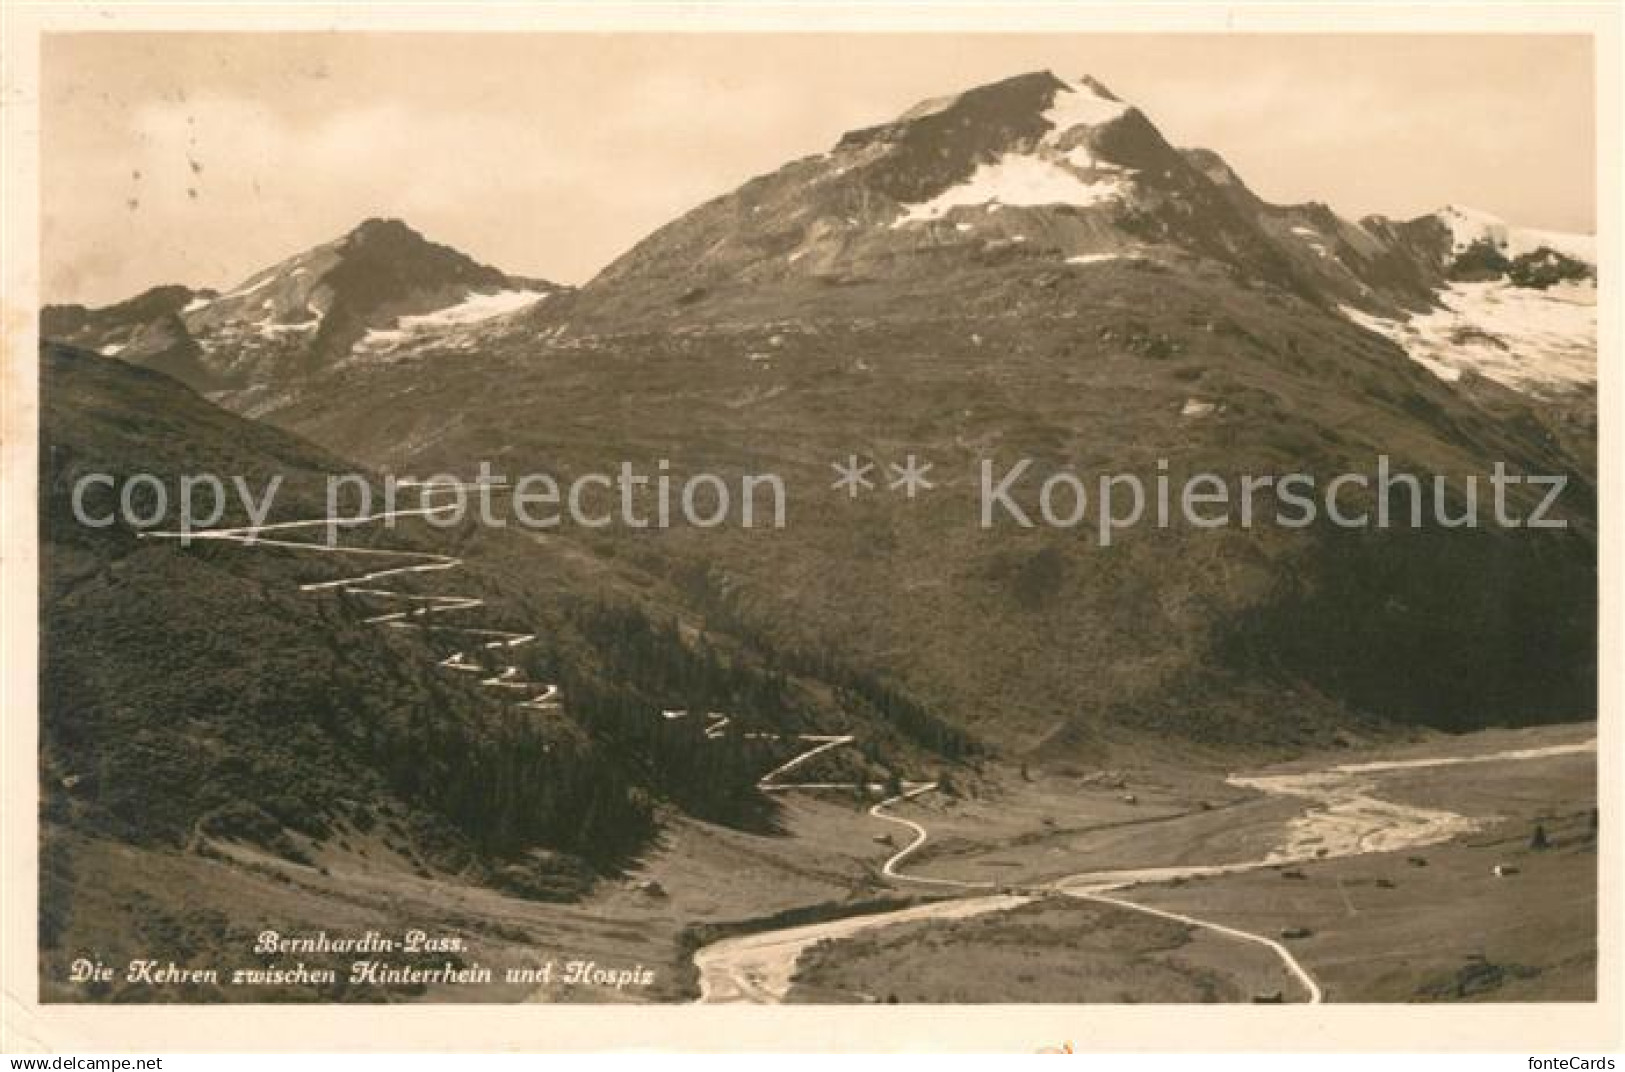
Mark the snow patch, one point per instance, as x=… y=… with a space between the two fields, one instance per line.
x=1079 y=156
x=1092 y=258
x=271 y=330
x=1017 y=180
x=249 y=288
x=473 y=309
x=1080 y=105
x=1470 y=225
x=381 y=339
x=1525 y=339
x=934 y=106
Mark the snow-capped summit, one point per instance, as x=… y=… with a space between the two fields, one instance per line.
x=1470 y=226
x=1512 y=304
x=382 y=281
x=1033 y=169
x=1031 y=182
x=1059 y=105
x=1036 y=177
x=1060 y=167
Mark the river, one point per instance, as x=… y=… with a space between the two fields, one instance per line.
x=1342 y=817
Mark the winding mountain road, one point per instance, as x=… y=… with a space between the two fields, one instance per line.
x=1307 y=981
x=545 y=696
x=1342 y=819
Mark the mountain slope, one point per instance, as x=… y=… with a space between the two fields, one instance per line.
x=1031 y=169
x=1025 y=634
x=294 y=318
x=1035 y=171
x=321 y=709
x=189 y=689
x=205 y=714
x=1512 y=305
x=1029 y=271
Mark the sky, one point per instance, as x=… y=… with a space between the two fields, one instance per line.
x=201 y=158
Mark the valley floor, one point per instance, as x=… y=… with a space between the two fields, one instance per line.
x=1378 y=926
x=1433 y=924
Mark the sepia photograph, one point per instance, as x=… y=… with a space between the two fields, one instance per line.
x=970 y=516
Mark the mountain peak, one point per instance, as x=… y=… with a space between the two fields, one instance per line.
x=1086 y=103
x=383 y=224
x=1467 y=212
x=943 y=140
x=383 y=230
x=1098 y=87
x=1035 y=95
x=1470 y=227
x=1031 y=167
x=1215 y=167
x=380 y=278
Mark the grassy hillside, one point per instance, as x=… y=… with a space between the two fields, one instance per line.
x=196 y=702
x=1260 y=637
x=192 y=690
